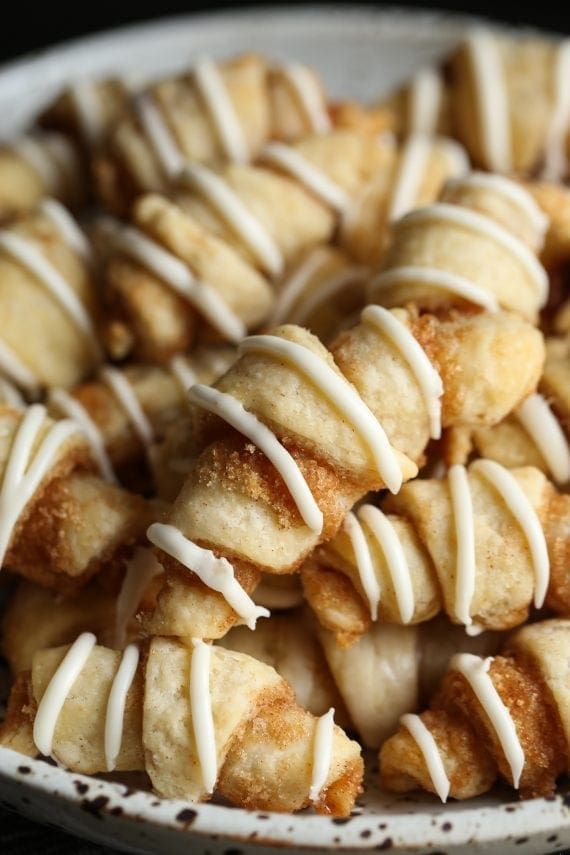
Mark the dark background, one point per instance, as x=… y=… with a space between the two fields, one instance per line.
x=28 y=26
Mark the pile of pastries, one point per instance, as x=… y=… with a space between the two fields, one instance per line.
x=284 y=430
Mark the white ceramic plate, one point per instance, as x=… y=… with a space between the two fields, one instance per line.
x=361 y=53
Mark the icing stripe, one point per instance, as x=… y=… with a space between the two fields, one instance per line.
x=441 y=279
x=492 y=99
x=15 y=370
x=67 y=227
x=476 y=672
x=512 y=494
x=215 y=96
x=216 y=573
x=74 y=409
x=182 y=372
x=23 y=474
x=555 y=160
x=544 y=429
x=426 y=376
x=425 y=741
x=327 y=291
x=86 y=100
x=142 y=568
x=26 y=254
x=485 y=226
x=387 y=539
x=58 y=689
x=10 y=395
x=158 y=134
x=364 y=564
x=464 y=524
x=510 y=190
x=115 y=715
x=130 y=404
x=36 y=152
x=177 y=275
x=229 y=206
x=322 y=754
x=202 y=718
x=425 y=95
x=336 y=388
x=314 y=179
x=413 y=163
x=309 y=96
x=234 y=413
x=294 y=285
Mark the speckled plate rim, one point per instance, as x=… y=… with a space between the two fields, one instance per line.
x=513 y=826
x=451 y=826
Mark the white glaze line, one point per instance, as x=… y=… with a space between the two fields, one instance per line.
x=309 y=96
x=142 y=568
x=322 y=754
x=126 y=397
x=425 y=741
x=544 y=429
x=215 y=96
x=336 y=388
x=115 y=714
x=425 y=95
x=426 y=375
x=492 y=99
x=58 y=689
x=291 y=161
x=246 y=225
x=464 y=525
x=158 y=134
x=67 y=227
x=234 y=413
x=70 y=407
x=202 y=717
x=216 y=573
x=440 y=279
x=364 y=564
x=15 y=370
x=86 y=100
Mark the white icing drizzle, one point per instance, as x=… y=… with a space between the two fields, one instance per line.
x=294 y=285
x=86 y=99
x=67 y=227
x=328 y=290
x=177 y=275
x=229 y=206
x=476 y=672
x=202 y=717
x=37 y=153
x=115 y=714
x=322 y=754
x=125 y=395
x=510 y=190
x=290 y=160
x=413 y=161
x=234 y=413
x=544 y=429
x=441 y=279
x=215 y=96
x=10 y=395
x=309 y=96
x=427 y=377
x=23 y=474
x=425 y=741
x=74 y=409
x=15 y=370
x=182 y=373
x=512 y=494
x=456 y=155
x=492 y=99
x=25 y=253
x=385 y=535
x=216 y=573
x=58 y=689
x=464 y=524
x=159 y=135
x=142 y=568
x=555 y=160
x=364 y=564
x=336 y=388
x=486 y=226
x=425 y=94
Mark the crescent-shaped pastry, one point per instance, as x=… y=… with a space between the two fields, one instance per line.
x=504 y=716
x=165 y=711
